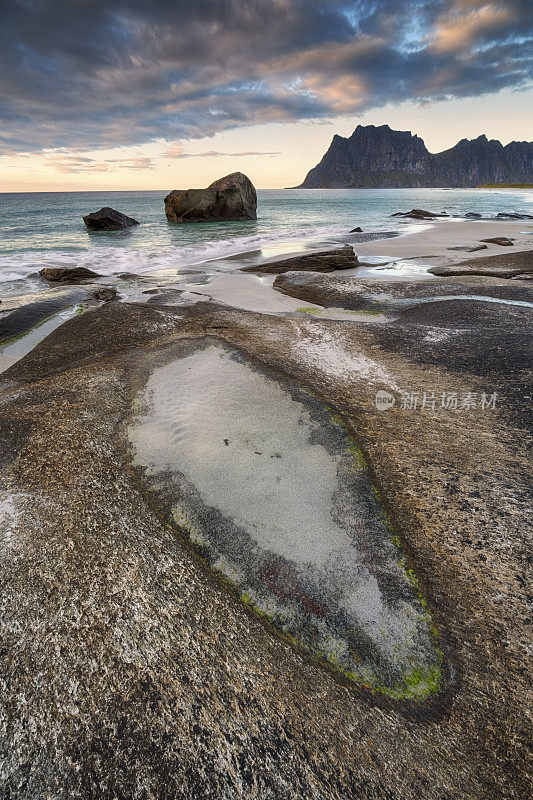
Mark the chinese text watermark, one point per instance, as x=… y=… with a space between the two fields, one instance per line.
x=436 y=401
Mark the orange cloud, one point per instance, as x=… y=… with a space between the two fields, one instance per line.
x=176 y=150
x=466 y=20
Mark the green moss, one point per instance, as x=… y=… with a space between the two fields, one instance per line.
x=248 y=599
x=420 y=682
x=359 y=461
x=395 y=540
x=409 y=573
x=310 y=310
x=411 y=577
x=358 y=457
x=334 y=661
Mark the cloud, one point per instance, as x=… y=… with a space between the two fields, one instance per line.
x=138 y=162
x=93 y=74
x=176 y=150
x=77 y=163
x=466 y=21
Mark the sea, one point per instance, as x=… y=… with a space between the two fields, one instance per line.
x=46 y=228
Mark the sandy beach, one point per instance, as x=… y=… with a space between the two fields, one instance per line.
x=432 y=242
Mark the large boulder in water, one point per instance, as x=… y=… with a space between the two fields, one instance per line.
x=230 y=198
x=108 y=219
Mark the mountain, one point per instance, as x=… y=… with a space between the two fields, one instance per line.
x=378 y=157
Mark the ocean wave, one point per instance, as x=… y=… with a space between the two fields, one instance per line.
x=111 y=260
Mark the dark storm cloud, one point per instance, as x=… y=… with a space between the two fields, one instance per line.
x=90 y=73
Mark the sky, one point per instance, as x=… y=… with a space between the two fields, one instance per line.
x=160 y=94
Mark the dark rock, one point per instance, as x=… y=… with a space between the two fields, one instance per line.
x=504 y=215
x=378 y=157
x=328 y=261
x=418 y=213
x=371 y=237
x=25 y=312
x=508 y=265
x=472 y=215
x=467 y=269
x=369 y=294
x=337 y=291
x=107 y=219
x=356 y=230
x=67 y=274
x=467 y=249
x=501 y=240
x=106 y=293
x=230 y=198
x=169 y=297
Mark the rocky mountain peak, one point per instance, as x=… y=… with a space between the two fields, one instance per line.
x=378 y=156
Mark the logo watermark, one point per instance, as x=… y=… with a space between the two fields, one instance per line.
x=436 y=401
x=384 y=400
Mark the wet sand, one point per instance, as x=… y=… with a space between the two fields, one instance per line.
x=431 y=242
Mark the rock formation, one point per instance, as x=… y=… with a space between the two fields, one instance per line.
x=501 y=240
x=230 y=198
x=326 y=261
x=418 y=213
x=108 y=219
x=130 y=670
x=510 y=265
x=394 y=297
x=378 y=157
x=67 y=274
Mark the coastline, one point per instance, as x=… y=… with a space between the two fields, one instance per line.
x=433 y=242
x=406 y=256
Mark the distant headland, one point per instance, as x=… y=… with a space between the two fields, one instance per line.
x=379 y=157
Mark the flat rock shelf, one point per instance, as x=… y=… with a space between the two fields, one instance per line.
x=270 y=488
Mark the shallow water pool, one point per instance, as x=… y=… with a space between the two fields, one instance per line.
x=273 y=492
